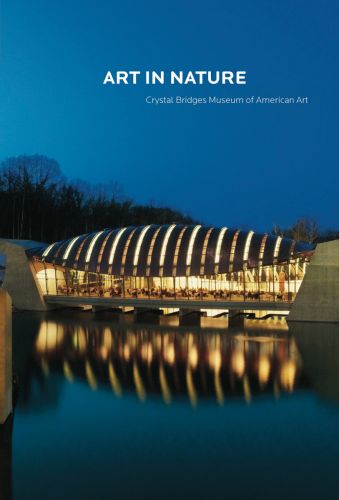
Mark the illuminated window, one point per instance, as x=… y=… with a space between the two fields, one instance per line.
x=138 y=245
x=101 y=251
x=48 y=249
x=176 y=251
x=69 y=248
x=164 y=244
x=190 y=248
x=60 y=250
x=164 y=247
x=150 y=251
x=115 y=244
x=262 y=247
x=234 y=242
x=80 y=248
x=204 y=250
x=277 y=247
x=124 y=255
x=102 y=248
x=218 y=247
x=247 y=245
x=91 y=246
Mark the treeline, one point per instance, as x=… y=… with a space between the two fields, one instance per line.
x=306 y=229
x=38 y=203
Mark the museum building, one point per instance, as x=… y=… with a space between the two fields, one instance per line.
x=173 y=261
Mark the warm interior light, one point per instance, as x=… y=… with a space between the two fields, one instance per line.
x=287 y=374
x=277 y=247
x=91 y=246
x=164 y=245
x=204 y=250
x=218 y=247
x=48 y=249
x=169 y=353
x=247 y=245
x=262 y=247
x=103 y=245
x=177 y=248
x=214 y=359
x=264 y=368
x=191 y=245
x=138 y=245
x=238 y=363
x=193 y=356
x=150 y=251
x=115 y=244
x=124 y=255
x=69 y=247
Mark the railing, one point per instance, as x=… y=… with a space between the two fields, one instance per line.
x=184 y=294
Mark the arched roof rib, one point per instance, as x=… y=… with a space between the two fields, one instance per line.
x=170 y=250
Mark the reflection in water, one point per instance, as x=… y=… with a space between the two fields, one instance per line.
x=172 y=363
x=169 y=450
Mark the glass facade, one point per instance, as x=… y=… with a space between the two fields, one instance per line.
x=264 y=283
x=174 y=262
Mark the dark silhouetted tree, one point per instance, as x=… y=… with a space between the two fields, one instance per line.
x=37 y=202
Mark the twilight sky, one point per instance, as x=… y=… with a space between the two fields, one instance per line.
x=225 y=165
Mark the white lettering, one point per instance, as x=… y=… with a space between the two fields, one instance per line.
x=108 y=78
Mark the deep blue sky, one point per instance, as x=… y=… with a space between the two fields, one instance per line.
x=238 y=166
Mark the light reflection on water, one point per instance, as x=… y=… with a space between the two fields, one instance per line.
x=168 y=363
x=141 y=412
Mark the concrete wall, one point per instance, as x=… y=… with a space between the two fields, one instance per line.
x=318 y=297
x=5 y=356
x=19 y=279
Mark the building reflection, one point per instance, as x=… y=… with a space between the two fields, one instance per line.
x=169 y=363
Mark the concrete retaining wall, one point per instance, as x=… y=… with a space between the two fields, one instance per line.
x=19 y=279
x=318 y=297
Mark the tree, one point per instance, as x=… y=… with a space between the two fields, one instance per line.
x=305 y=229
x=37 y=202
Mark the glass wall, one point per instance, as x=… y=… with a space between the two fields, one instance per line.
x=265 y=283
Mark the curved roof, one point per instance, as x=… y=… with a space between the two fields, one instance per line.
x=169 y=250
